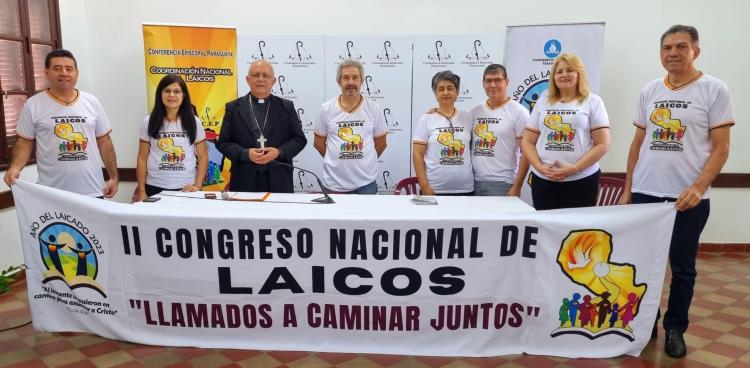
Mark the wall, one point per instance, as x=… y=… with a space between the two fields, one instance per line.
x=106 y=37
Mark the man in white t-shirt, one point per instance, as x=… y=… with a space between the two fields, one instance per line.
x=72 y=134
x=350 y=134
x=680 y=145
x=498 y=124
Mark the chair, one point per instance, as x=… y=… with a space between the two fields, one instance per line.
x=610 y=191
x=408 y=185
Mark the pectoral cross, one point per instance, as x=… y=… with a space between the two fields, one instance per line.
x=262 y=140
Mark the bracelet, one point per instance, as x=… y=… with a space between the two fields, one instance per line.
x=574 y=166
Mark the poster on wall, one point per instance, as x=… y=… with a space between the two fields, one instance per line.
x=297 y=62
x=205 y=57
x=465 y=55
x=531 y=50
x=387 y=82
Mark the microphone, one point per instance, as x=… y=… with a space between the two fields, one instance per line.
x=325 y=198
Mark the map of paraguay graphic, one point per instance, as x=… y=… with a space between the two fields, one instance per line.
x=609 y=297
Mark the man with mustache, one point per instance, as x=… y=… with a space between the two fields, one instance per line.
x=350 y=134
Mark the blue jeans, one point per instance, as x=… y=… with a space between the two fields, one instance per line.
x=371 y=188
x=491 y=188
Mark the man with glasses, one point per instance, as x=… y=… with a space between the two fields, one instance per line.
x=258 y=130
x=71 y=130
x=498 y=124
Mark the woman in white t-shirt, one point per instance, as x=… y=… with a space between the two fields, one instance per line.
x=442 y=143
x=567 y=135
x=172 y=155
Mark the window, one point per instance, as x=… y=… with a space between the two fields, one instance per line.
x=29 y=29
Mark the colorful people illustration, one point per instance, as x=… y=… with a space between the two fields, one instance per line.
x=627 y=310
x=354 y=141
x=65 y=131
x=670 y=128
x=586 y=308
x=81 y=268
x=172 y=153
x=604 y=308
x=52 y=249
x=486 y=139
x=613 y=315
x=564 y=313
x=573 y=308
x=455 y=147
x=562 y=132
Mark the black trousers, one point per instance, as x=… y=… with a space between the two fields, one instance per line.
x=683 y=249
x=455 y=194
x=550 y=195
x=262 y=181
x=154 y=190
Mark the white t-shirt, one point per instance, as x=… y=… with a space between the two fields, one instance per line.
x=448 y=154
x=172 y=163
x=565 y=131
x=67 y=153
x=494 y=150
x=678 y=124
x=350 y=161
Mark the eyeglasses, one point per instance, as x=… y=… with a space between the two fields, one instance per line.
x=261 y=76
x=494 y=80
x=172 y=91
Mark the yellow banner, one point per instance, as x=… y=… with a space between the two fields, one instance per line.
x=206 y=58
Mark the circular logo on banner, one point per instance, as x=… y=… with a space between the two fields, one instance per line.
x=529 y=98
x=69 y=256
x=552 y=48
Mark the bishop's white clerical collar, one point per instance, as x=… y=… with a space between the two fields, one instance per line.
x=257 y=100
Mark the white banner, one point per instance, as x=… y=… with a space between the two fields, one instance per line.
x=531 y=50
x=298 y=64
x=462 y=278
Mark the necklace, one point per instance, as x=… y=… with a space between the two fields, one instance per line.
x=355 y=106
x=169 y=119
x=673 y=87
x=568 y=100
x=262 y=140
x=450 y=122
x=60 y=100
x=500 y=104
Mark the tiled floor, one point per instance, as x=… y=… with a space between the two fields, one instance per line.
x=719 y=336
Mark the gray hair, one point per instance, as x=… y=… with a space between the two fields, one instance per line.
x=347 y=63
x=677 y=28
x=445 y=75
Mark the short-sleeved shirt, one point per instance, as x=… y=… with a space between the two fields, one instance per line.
x=678 y=124
x=448 y=153
x=350 y=161
x=172 y=163
x=495 y=134
x=67 y=153
x=565 y=130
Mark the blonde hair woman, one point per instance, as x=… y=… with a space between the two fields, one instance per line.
x=567 y=135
